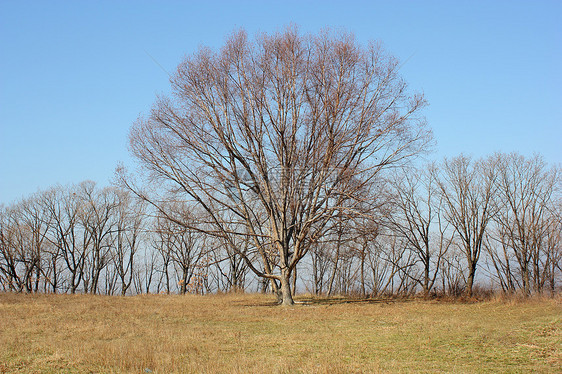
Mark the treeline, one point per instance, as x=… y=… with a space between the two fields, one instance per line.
x=439 y=229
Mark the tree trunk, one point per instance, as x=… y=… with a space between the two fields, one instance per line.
x=470 y=281
x=286 y=296
x=333 y=275
x=426 y=281
x=294 y=286
x=363 y=288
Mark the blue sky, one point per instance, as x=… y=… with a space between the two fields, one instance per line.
x=74 y=75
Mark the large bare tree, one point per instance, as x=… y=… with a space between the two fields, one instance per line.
x=274 y=136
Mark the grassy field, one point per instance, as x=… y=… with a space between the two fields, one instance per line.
x=247 y=333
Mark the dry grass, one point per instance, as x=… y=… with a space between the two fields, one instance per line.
x=246 y=333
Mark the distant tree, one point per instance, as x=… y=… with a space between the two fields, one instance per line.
x=230 y=269
x=184 y=247
x=99 y=221
x=526 y=248
x=143 y=277
x=467 y=189
x=417 y=218
x=24 y=245
x=9 y=260
x=127 y=237
x=65 y=207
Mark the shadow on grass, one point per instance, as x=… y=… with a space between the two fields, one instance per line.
x=335 y=300
x=348 y=300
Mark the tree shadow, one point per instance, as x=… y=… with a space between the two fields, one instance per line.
x=334 y=300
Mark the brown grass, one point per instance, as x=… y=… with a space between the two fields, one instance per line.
x=247 y=333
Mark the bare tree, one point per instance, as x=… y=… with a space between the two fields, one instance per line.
x=403 y=274
x=65 y=207
x=367 y=238
x=527 y=222
x=185 y=249
x=382 y=268
x=320 y=261
x=144 y=271
x=9 y=264
x=230 y=268
x=271 y=137
x=24 y=251
x=467 y=189
x=160 y=245
x=553 y=250
x=98 y=220
x=337 y=250
x=418 y=219
x=127 y=237
x=453 y=273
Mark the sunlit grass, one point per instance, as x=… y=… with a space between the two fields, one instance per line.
x=247 y=333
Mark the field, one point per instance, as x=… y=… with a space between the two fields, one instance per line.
x=247 y=333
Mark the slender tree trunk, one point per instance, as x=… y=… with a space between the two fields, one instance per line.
x=333 y=275
x=426 y=281
x=363 y=260
x=526 y=279
x=470 y=280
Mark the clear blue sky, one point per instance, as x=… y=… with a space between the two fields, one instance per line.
x=74 y=75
